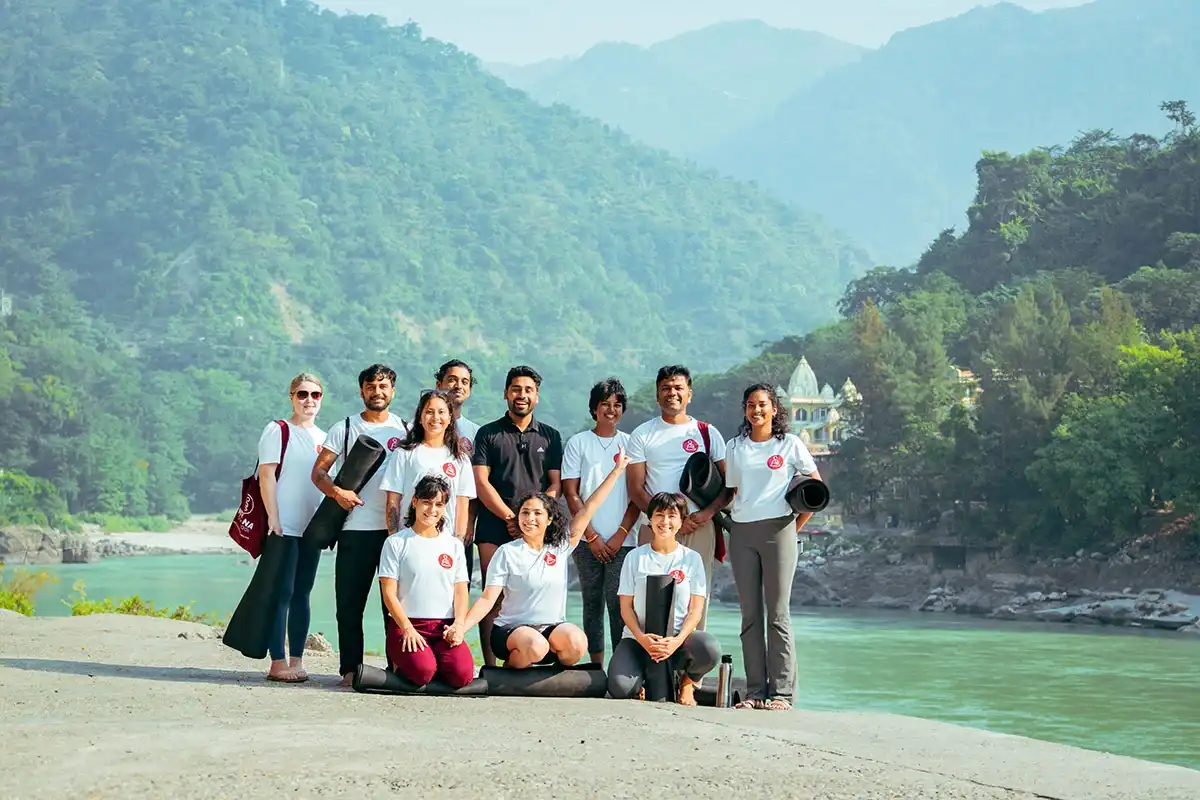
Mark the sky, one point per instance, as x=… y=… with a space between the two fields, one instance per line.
x=525 y=31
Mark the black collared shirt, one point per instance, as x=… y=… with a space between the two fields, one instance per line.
x=518 y=461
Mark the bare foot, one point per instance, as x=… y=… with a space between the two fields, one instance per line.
x=297 y=666
x=347 y=679
x=284 y=674
x=687 y=689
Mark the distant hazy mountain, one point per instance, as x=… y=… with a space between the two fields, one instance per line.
x=688 y=93
x=885 y=147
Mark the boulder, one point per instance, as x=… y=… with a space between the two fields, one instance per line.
x=317 y=643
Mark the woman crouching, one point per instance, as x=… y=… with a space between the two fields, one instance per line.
x=532 y=573
x=423 y=580
x=688 y=651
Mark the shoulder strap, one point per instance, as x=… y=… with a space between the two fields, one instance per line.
x=284 y=433
x=704 y=435
x=346 y=443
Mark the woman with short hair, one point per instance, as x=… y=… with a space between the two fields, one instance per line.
x=760 y=463
x=290 y=502
x=690 y=653
x=587 y=459
x=531 y=571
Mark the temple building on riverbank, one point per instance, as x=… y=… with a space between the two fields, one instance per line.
x=815 y=409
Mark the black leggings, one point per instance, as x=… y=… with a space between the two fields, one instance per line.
x=353 y=576
x=292 y=614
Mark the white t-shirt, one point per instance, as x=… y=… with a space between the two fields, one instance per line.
x=406 y=467
x=665 y=449
x=372 y=514
x=425 y=570
x=466 y=431
x=761 y=472
x=590 y=458
x=684 y=564
x=295 y=493
x=534 y=583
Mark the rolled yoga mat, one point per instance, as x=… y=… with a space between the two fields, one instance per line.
x=581 y=680
x=706 y=692
x=660 y=602
x=364 y=459
x=375 y=680
x=249 y=628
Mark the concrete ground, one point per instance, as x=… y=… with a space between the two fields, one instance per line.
x=125 y=707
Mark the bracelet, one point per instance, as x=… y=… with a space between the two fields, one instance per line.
x=622 y=528
x=594 y=537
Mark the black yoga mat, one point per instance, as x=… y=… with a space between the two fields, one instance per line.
x=660 y=601
x=582 y=680
x=375 y=680
x=706 y=692
x=250 y=626
x=806 y=494
x=364 y=459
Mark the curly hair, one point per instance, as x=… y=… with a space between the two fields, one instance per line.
x=428 y=488
x=558 y=528
x=780 y=424
x=416 y=433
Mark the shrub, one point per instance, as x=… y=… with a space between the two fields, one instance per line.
x=81 y=606
x=17 y=593
x=25 y=500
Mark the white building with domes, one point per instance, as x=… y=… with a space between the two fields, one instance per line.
x=814 y=408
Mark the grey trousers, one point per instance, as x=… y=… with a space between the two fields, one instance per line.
x=704 y=541
x=763 y=556
x=695 y=658
x=598 y=583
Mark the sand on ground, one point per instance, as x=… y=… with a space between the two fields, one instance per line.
x=116 y=706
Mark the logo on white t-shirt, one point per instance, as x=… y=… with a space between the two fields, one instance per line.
x=690 y=445
x=775 y=461
x=445 y=561
x=467 y=444
x=678 y=575
x=550 y=559
x=449 y=469
x=393 y=443
x=617 y=458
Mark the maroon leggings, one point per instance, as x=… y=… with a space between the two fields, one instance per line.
x=451 y=665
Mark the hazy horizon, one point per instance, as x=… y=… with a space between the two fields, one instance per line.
x=526 y=31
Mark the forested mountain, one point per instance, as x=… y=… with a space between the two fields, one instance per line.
x=688 y=93
x=198 y=200
x=884 y=146
x=1072 y=298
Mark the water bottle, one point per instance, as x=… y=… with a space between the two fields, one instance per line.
x=725 y=682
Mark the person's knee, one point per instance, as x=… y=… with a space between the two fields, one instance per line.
x=419 y=671
x=704 y=652
x=623 y=686
x=570 y=644
x=529 y=644
x=458 y=669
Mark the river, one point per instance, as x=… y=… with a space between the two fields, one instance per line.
x=1136 y=694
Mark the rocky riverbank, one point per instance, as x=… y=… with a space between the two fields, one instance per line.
x=888 y=571
x=32 y=545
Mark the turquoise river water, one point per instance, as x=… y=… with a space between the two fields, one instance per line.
x=1136 y=694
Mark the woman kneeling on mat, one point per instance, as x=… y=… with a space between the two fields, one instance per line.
x=423 y=580
x=688 y=651
x=532 y=574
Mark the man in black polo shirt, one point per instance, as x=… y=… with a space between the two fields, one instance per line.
x=513 y=455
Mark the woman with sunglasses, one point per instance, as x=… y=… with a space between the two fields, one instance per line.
x=290 y=501
x=432 y=447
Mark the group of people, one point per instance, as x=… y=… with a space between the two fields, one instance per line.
x=448 y=487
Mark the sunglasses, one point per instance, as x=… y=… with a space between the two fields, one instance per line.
x=304 y=394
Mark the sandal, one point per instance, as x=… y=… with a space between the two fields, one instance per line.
x=288 y=677
x=749 y=703
x=777 y=704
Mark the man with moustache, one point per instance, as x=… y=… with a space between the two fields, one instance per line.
x=455 y=378
x=365 y=529
x=658 y=452
x=513 y=456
